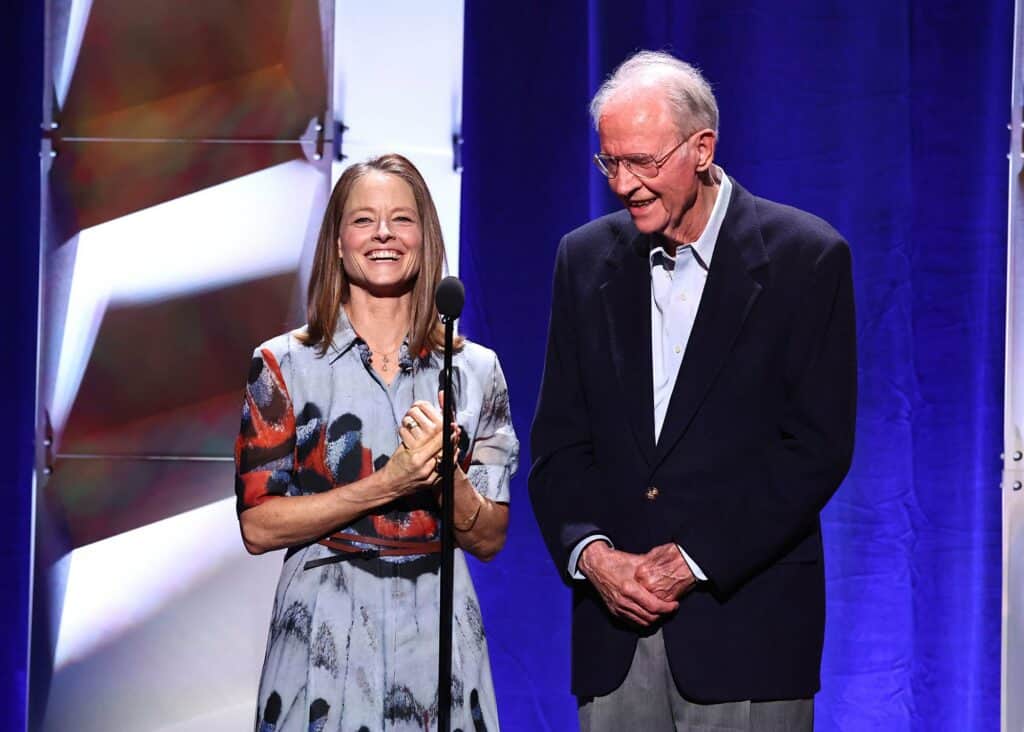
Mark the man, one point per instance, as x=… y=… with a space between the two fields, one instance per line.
x=696 y=414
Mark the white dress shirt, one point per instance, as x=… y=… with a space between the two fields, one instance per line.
x=677 y=284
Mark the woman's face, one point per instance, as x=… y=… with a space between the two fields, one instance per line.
x=381 y=240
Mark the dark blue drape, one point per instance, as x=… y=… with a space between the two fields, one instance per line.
x=889 y=120
x=21 y=39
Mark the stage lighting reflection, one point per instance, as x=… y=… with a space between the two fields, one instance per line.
x=246 y=229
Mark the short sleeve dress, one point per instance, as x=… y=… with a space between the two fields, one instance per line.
x=353 y=638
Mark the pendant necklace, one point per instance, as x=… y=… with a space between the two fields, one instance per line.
x=385 y=358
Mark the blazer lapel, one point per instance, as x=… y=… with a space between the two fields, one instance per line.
x=729 y=294
x=627 y=302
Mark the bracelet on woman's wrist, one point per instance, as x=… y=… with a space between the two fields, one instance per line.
x=471 y=521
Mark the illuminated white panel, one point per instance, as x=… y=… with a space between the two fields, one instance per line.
x=398 y=71
x=398 y=88
x=116 y=584
x=176 y=614
x=87 y=301
x=247 y=228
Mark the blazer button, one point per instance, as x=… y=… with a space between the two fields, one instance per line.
x=652 y=493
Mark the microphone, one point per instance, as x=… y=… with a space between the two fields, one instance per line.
x=450 y=296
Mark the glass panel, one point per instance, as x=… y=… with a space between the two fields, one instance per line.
x=181 y=204
x=192 y=161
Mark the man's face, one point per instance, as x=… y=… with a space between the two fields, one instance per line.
x=638 y=123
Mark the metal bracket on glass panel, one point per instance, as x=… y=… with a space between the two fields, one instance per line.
x=339 y=131
x=318 y=128
x=48 y=457
x=51 y=132
x=457 y=152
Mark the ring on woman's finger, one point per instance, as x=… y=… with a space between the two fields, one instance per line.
x=409 y=423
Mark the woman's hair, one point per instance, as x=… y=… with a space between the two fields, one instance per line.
x=328 y=284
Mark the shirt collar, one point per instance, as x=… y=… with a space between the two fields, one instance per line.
x=345 y=338
x=345 y=335
x=704 y=248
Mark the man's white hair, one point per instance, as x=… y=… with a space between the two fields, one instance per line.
x=687 y=91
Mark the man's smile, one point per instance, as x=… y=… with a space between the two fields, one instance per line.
x=641 y=202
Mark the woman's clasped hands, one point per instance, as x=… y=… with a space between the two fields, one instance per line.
x=416 y=463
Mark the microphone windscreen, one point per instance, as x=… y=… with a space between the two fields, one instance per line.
x=450 y=297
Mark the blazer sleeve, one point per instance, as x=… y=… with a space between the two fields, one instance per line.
x=814 y=443
x=563 y=470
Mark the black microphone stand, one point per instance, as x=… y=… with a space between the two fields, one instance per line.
x=450 y=298
x=444 y=658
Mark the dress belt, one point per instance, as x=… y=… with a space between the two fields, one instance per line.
x=342 y=542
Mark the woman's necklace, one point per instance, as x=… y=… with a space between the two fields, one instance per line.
x=385 y=362
x=385 y=356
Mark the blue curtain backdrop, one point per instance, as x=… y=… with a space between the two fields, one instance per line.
x=889 y=120
x=21 y=39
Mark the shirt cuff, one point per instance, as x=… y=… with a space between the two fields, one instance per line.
x=694 y=567
x=574 y=558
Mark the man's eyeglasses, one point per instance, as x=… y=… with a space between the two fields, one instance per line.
x=642 y=166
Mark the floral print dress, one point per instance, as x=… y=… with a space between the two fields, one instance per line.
x=353 y=638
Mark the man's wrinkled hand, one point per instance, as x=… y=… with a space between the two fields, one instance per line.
x=664 y=573
x=613 y=575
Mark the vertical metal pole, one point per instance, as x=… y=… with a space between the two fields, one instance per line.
x=38 y=665
x=1012 y=701
x=444 y=657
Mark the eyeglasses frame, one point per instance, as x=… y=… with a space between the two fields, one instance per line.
x=624 y=160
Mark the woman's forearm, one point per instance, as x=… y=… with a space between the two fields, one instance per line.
x=288 y=521
x=480 y=523
x=293 y=520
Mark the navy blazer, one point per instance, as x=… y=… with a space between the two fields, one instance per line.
x=757 y=437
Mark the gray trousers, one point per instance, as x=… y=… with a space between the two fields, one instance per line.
x=648 y=701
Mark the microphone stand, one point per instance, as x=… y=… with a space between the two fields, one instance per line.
x=444 y=659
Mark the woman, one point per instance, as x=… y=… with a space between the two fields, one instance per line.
x=337 y=461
